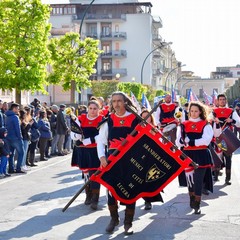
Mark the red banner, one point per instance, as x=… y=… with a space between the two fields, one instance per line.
x=143 y=165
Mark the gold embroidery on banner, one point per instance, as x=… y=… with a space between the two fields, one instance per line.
x=154 y=173
x=157 y=157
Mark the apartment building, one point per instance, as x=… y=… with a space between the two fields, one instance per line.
x=128 y=33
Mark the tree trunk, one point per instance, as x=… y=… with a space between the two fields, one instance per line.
x=18 y=97
x=73 y=90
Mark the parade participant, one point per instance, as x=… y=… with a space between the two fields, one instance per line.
x=85 y=150
x=237 y=129
x=225 y=117
x=194 y=136
x=119 y=124
x=185 y=112
x=104 y=108
x=165 y=116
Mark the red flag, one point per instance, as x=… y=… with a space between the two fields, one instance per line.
x=143 y=165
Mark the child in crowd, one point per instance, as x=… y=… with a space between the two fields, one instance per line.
x=4 y=153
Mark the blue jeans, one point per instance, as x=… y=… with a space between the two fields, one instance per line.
x=3 y=165
x=25 y=147
x=15 y=144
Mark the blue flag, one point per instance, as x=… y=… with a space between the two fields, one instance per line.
x=145 y=102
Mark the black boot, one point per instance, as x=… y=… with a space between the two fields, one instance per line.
x=196 y=207
x=129 y=213
x=114 y=218
x=228 y=177
x=88 y=198
x=94 y=200
x=216 y=174
x=148 y=206
x=192 y=200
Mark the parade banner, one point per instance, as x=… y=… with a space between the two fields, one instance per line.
x=143 y=165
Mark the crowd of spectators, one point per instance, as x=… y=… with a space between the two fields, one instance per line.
x=25 y=130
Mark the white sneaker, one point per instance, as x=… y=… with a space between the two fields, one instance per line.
x=25 y=168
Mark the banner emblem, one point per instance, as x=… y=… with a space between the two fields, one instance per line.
x=154 y=174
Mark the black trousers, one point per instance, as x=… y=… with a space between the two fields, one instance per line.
x=198 y=178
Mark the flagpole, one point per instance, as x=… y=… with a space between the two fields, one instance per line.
x=163 y=44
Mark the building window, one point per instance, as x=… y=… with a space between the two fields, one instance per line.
x=117 y=28
x=106 y=49
x=106 y=30
x=201 y=93
x=238 y=73
x=107 y=66
x=117 y=64
x=117 y=46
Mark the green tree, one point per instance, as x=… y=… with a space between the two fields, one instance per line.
x=24 y=55
x=136 y=88
x=104 y=88
x=73 y=62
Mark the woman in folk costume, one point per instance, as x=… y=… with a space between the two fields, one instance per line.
x=195 y=135
x=85 y=150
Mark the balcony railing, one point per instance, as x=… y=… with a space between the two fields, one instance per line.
x=115 y=54
x=92 y=35
x=110 y=16
x=113 y=35
x=157 y=72
x=112 y=72
x=157 y=37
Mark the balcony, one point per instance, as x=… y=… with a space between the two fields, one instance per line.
x=156 y=38
x=157 y=54
x=115 y=54
x=92 y=35
x=108 y=17
x=113 y=36
x=157 y=21
x=157 y=72
x=112 y=72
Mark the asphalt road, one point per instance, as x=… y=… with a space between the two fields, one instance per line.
x=31 y=208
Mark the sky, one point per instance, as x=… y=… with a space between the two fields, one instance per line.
x=205 y=33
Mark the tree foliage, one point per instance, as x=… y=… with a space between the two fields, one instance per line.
x=136 y=88
x=104 y=88
x=24 y=35
x=73 y=60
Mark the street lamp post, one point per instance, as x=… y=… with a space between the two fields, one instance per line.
x=171 y=73
x=163 y=44
x=84 y=14
x=80 y=35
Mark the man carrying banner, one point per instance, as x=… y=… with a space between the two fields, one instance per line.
x=119 y=124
